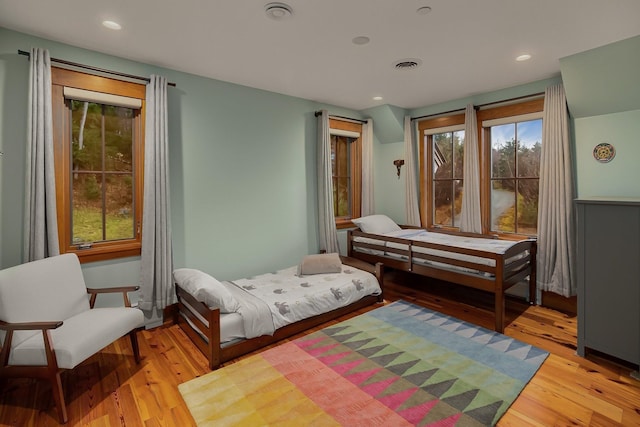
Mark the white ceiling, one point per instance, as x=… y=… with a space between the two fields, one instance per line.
x=466 y=47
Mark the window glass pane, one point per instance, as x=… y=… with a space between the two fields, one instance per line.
x=528 y=206
x=503 y=153
x=341 y=197
x=457 y=203
x=442 y=156
x=503 y=205
x=529 y=137
x=87 y=208
x=442 y=191
x=118 y=138
x=458 y=153
x=341 y=170
x=86 y=135
x=102 y=203
x=119 y=207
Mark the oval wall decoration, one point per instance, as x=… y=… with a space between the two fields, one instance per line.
x=604 y=152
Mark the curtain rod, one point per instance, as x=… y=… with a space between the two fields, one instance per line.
x=458 y=110
x=317 y=113
x=477 y=107
x=100 y=70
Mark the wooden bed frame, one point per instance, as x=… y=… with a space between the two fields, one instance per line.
x=500 y=277
x=207 y=338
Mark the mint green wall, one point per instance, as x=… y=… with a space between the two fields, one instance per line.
x=621 y=176
x=603 y=80
x=603 y=94
x=242 y=168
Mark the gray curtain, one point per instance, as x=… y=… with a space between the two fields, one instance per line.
x=328 y=235
x=41 y=227
x=412 y=202
x=556 y=226
x=156 y=290
x=470 y=216
x=368 y=202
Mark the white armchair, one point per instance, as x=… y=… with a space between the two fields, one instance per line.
x=48 y=323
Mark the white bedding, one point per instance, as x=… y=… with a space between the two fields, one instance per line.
x=291 y=298
x=270 y=301
x=495 y=246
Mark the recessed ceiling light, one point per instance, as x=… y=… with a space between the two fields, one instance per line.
x=360 y=40
x=377 y=98
x=423 y=10
x=524 y=57
x=278 y=11
x=112 y=25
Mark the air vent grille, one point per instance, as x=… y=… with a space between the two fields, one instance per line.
x=407 y=64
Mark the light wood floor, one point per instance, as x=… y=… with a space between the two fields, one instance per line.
x=109 y=389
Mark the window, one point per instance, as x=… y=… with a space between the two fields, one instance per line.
x=346 y=166
x=510 y=138
x=515 y=167
x=442 y=156
x=98 y=140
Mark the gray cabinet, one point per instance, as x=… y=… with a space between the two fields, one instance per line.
x=608 y=261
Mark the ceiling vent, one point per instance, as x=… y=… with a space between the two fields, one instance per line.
x=407 y=64
x=278 y=11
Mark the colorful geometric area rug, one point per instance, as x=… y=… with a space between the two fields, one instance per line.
x=397 y=365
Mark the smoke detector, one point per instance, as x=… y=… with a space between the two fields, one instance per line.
x=278 y=11
x=407 y=64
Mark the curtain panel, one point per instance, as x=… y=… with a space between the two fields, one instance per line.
x=368 y=202
x=556 y=221
x=327 y=233
x=470 y=216
x=41 y=227
x=412 y=202
x=156 y=290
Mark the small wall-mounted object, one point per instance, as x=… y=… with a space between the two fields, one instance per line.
x=398 y=164
x=604 y=152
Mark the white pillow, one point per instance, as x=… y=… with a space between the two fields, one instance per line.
x=376 y=224
x=320 y=264
x=206 y=289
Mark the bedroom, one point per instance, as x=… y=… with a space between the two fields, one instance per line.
x=224 y=171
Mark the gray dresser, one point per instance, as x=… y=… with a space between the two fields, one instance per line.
x=608 y=267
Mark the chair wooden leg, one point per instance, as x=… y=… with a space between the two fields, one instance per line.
x=134 y=344
x=58 y=397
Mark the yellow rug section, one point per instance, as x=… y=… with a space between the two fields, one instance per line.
x=250 y=393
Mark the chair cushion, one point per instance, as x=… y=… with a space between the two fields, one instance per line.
x=79 y=337
x=49 y=289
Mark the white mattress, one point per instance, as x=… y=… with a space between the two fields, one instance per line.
x=495 y=246
x=231 y=327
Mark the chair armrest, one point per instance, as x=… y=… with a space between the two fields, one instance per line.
x=5 y=349
x=123 y=289
x=25 y=326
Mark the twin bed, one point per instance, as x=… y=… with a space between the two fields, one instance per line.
x=226 y=320
x=489 y=264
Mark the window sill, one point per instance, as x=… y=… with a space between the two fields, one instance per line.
x=104 y=253
x=341 y=224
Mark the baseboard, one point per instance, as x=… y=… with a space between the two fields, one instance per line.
x=560 y=303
